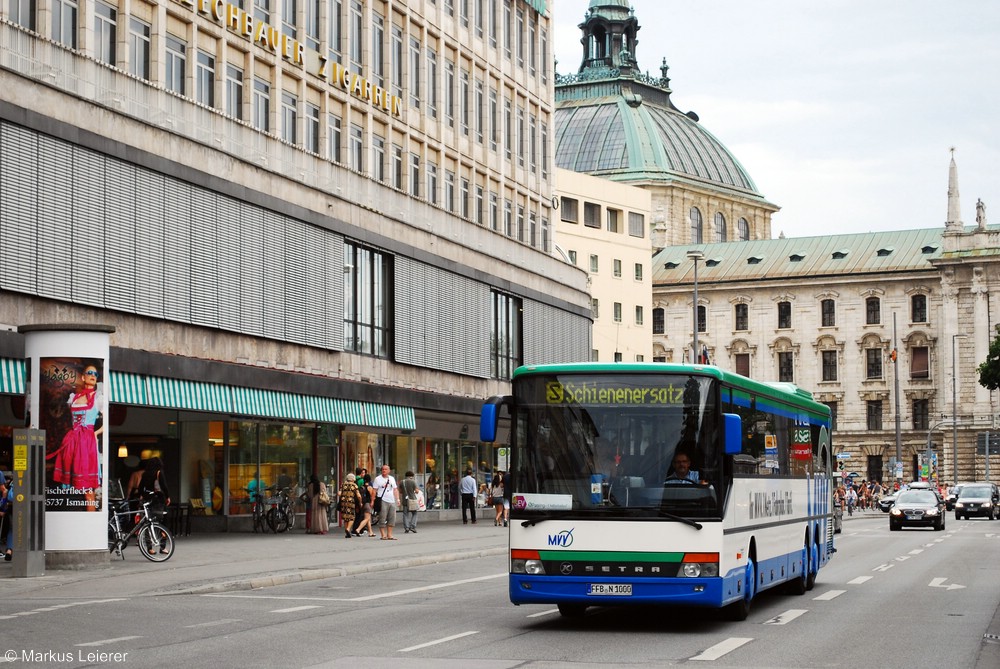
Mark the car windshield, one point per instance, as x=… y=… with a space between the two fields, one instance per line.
x=916 y=497
x=974 y=491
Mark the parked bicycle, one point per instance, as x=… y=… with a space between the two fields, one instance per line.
x=281 y=514
x=154 y=540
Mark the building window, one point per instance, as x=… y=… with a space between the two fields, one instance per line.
x=702 y=318
x=378 y=158
x=105 y=32
x=289 y=9
x=262 y=10
x=505 y=336
x=873 y=311
x=592 y=215
x=333 y=137
x=829 y=365
x=464 y=102
x=494 y=211
x=234 y=92
x=64 y=13
x=176 y=59
x=335 y=30
x=432 y=83
x=614 y=220
x=874 y=414
x=595 y=308
x=638 y=315
x=397 y=172
x=312 y=24
x=742 y=361
x=618 y=312
x=449 y=191
x=22 y=12
x=720 y=227
x=572 y=257
x=638 y=271
x=919 y=363
x=568 y=210
x=658 y=321
x=636 y=225
x=594 y=264
x=918 y=308
x=396 y=61
x=138 y=42
x=378 y=48
x=356 y=151
x=205 y=79
x=741 y=317
x=786 y=367
x=312 y=128
x=697 y=226
x=368 y=308
x=873 y=363
x=289 y=117
x=356 y=46
x=464 y=195
x=617 y=269
x=261 y=104
x=921 y=414
x=784 y=315
x=743 y=229
x=833 y=414
x=432 y=183
x=415 y=88
x=415 y=177
x=828 y=313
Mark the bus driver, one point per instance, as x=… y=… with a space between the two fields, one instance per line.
x=682 y=472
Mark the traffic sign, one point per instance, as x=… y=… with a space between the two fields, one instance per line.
x=847 y=456
x=994 y=443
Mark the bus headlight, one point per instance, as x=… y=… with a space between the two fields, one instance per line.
x=697 y=569
x=533 y=567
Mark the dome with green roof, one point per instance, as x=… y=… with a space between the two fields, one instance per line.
x=615 y=122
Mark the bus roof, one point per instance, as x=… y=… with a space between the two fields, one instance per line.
x=783 y=390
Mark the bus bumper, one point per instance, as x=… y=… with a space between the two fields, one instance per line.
x=534 y=589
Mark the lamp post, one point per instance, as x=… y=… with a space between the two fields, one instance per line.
x=954 y=410
x=695 y=255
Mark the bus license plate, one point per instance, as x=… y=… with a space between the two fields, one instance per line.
x=620 y=589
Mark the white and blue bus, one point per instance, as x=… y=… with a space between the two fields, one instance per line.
x=601 y=516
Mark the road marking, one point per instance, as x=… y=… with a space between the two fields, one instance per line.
x=105 y=642
x=436 y=641
x=296 y=608
x=425 y=588
x=213 y=623
x=939 y=583
x=828 y=595
x=543 y=613
x=902 y=558
x=884 y=567
x=786 y=617
x=916 y=551
x=720 y=649
x=60 y=606
x=859 y=580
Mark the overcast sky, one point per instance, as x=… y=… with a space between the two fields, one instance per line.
x=842 y=111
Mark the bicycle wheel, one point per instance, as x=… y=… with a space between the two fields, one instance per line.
x=155 y=542
x=291 y=516
x=259 y=522
x=277 y=520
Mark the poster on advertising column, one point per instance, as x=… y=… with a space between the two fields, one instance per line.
x=71 y=406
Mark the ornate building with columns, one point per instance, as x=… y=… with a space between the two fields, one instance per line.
x=885 y=327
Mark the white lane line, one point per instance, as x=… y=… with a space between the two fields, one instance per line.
x=295 y=609
x=544 y=613
x=916 y=551
x=425 y=588
x=786 y=617
x=859 y=580
x=105 y=642
x=884 y=567
x=828 y=595
x=436 y=641
x=902 y=558
x=48 y=609
x=720 y=649
x=213 y=623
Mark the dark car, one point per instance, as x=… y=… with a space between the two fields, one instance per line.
x=953 y=491
x=977 y=499
x=917 y=508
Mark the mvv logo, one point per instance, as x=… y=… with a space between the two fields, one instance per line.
x=564 y=539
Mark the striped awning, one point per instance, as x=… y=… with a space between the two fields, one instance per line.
x=192 y=395
x=389 y=416
x=127 y=388
x=11 y=376
x=332 y=410
x=271 y=403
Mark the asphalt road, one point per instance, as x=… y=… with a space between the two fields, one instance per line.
x=915 y=598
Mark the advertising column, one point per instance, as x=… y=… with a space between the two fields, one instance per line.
x=68 y=399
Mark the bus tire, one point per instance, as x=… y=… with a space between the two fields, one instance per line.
x=738 y=611
x=798 y=585
x=813 y=567
x=572 y=610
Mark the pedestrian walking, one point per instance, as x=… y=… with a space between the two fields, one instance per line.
x=350 y=502
x=467 y=488
x=387 y=497
x=319 y=522
x=410 y=503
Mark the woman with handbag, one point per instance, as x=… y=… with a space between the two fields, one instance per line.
x=316 y=492
x=350 y=503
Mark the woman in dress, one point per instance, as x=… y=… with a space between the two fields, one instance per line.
x=367 y=494
x=350 y=502
x=78 y=461
x=496 y=495
x=318 y=522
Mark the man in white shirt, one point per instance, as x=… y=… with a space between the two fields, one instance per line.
x=682 y=472
x=467 y=486
x=387 y=491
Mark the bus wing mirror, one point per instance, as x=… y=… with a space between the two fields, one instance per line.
x=489 y=417
x=733 y=426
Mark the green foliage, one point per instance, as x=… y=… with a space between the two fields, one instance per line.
x=989 y=371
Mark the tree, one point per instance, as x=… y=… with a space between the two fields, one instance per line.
x=989 y=370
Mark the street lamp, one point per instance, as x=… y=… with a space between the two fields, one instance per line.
x=695 y=255
x=954 y=410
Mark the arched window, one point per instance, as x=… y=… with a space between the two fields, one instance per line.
x=720 y=227
x=696 y=226
x=744 y=230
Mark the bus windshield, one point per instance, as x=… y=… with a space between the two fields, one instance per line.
x=617 y=446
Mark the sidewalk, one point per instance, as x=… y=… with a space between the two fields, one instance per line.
x=204 y=563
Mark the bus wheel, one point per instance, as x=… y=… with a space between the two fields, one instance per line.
x=572 y=610
x=740 y=610
x=813 y=567
x=799 y=585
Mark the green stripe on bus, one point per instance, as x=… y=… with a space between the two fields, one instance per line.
x=619 y=556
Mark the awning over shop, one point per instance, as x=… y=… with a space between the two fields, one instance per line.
x=11 y=376
x=161 y=392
